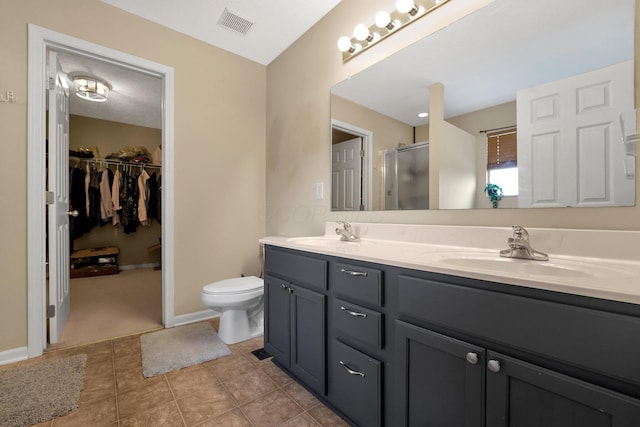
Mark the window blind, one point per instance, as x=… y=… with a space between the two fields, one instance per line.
x=502 y=149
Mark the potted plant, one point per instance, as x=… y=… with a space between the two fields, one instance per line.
x=494 y=193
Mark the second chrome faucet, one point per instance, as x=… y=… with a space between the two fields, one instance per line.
x=519 y=246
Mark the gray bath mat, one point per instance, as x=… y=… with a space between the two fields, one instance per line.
x=40 y=392
x=175 y=348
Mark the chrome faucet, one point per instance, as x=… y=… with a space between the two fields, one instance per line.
x=519 y=246
x=345 y=233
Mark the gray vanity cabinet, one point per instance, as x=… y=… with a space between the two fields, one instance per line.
x=440 y=379
x=356 y=342
x=445 y=378
x=389 y=346
x=295 y=315
x=520 y=394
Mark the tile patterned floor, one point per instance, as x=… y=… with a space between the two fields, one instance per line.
x=234 y=391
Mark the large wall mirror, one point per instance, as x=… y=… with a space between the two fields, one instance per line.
x=529 y=96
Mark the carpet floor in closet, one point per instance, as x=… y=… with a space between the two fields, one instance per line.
x=107 y=307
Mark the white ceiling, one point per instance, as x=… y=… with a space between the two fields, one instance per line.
x=277 y=23
x=483 y=59
x=136 y=97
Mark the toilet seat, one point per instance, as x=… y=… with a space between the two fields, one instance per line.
x=237 y=285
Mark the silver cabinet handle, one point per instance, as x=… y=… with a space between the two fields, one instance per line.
x=351 y=371
x=493 y=365
x=353 y=273
x=472 y=358
x=353 y=313
x=286 y=288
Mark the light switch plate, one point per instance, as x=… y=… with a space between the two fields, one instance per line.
x=319 y=191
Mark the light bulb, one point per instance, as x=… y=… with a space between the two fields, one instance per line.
x=361 y=32
x=383 y=19
x=344 y=44
x=405 y=6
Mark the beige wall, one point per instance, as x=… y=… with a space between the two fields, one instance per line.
x=109 y=137
x=499 y=116
x=298 y=136
x=219 y=187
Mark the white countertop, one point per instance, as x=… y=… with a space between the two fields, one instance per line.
x=581 y=262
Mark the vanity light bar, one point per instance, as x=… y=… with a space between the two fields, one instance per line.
x=385 y=25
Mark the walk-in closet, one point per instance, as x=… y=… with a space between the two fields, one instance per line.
x=115 y=200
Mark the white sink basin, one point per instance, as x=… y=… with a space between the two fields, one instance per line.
x=321 y=241
x=561 y=268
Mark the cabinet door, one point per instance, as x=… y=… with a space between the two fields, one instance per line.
x=308 y=313
x=523 y=395
x=277 y=319
x=440 y=379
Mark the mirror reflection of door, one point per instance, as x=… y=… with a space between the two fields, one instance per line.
x=346 y=175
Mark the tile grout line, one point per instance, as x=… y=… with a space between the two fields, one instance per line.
x=175 y=401
x=115 y=380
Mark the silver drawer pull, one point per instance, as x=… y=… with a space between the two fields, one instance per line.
x=351 y=371
x=353 y=313
x=353 y=273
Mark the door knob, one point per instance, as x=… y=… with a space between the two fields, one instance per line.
x=74 y=213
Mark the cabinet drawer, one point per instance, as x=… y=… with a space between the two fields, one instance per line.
x=358 y=323
x=355 y=384
x=358 y=283
x=299 y=269
x=603 y=342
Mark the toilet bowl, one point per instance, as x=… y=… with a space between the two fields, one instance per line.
x=240 y=304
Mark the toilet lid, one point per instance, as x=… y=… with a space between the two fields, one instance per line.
x=234 y=286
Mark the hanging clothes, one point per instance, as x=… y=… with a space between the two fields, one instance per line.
x=129 y=198
x=77 y=201
x=115 y=197
x=93 y=217
x=159 y=199
x=152 y=209
x=143 y=198
x=106 y=204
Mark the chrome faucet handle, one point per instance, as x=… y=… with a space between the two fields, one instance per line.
x=519 y=232
x=519 y=246
x=345 y=224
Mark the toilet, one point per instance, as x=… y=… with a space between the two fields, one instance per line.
x=240 y=303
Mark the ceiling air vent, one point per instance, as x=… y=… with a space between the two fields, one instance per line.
x=234 y=22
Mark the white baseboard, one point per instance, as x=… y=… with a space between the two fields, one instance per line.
x=199 y=316
x=138 y=266
x=13 y=355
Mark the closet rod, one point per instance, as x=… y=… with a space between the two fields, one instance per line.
x=117 y=162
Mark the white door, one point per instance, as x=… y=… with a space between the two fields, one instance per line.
x=346 y=175
x=569 y=145
x=58 y=223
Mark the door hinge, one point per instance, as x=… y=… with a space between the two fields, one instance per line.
x=50 y=83
x=51 y=311
x=362 y=153
x=49 y=197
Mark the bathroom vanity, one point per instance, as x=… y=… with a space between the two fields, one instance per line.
x=419 y=332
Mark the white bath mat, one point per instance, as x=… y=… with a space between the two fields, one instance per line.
x=176 y=348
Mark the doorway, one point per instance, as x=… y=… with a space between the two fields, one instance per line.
x=41 y=41
x=341 y=132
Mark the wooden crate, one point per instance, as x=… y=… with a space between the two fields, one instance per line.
x=94 y=262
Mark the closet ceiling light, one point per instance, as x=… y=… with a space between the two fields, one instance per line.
x=91 y=89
